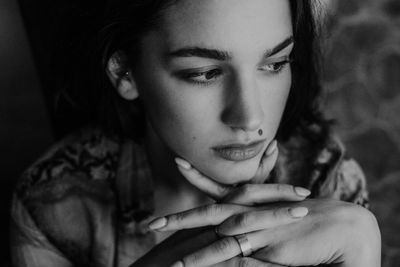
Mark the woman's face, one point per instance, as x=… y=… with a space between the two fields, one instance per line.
x=211 y=76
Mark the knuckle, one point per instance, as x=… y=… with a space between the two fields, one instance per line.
x=177 y=218
x=280 y=213
x=246 y=262
x=224 y=244
x=213 y=210
x=206 y=212
x=281 y=188
x=285 y=189
x=242 y=219
x=203 y=209
x=192 y=260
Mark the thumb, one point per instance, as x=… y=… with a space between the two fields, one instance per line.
x=267 y=163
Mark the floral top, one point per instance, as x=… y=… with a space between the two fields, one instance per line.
x=88 y=200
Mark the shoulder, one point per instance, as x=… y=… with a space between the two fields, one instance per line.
x=80 y=160
x=67 y=190
x=326 y=168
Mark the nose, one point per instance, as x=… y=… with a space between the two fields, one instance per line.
x=243 y=108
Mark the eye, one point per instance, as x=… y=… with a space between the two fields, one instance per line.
x=202 y=77
x=275 y=67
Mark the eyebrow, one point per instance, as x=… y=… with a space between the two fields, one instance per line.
x=201 y=52
x=285 y=43
x=194 y=51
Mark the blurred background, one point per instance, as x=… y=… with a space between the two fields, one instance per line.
x=362 y=82
x=361 y=77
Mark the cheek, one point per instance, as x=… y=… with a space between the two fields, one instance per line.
x=188 y=121
x=181 y=116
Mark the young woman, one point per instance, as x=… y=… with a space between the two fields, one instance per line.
x=195 y=99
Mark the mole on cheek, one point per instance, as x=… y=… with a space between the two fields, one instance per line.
x=194 y=138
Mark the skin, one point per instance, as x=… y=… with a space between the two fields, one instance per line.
x=281 y=233
x=187 y=119
x=247 y=94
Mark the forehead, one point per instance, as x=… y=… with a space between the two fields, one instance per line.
x=230 y=23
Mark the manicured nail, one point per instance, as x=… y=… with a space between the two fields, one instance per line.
x=298 y=212
x=158 y=223
x=271 y=148
x=183 y=163
x=177 y=264
x=302 y=191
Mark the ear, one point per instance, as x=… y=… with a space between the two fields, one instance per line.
x=121 y=77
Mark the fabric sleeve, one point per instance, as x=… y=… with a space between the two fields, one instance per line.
x=338 y=176
x=347 y=182
x=29 y=246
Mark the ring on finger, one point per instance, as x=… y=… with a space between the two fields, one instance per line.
x=244 y=244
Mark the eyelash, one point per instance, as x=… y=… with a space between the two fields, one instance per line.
x=281 y=65
x=190 y=77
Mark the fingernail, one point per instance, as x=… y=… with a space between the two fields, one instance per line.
x=158 y=223
x=302 y=191
x=271 y=147
x=298 y=212
x=177 y=264
x=183 y=163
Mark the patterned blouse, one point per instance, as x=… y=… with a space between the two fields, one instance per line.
x=88 y=200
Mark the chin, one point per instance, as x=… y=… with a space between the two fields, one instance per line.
x=231 y=173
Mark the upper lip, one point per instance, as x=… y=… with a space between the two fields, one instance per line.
x=239 y=145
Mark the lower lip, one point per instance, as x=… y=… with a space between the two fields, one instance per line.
x=240 y=154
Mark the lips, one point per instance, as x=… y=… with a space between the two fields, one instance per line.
x=239 y=152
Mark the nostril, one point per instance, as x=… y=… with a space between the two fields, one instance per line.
x=248 y=118
x=243 y=109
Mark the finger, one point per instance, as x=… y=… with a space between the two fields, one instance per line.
x=212 y=214
x=210 y=187
x=219 y=251
x=267 y=163
x=260 y=220
x=249 y=262
x=251 y=194
x=223 y=250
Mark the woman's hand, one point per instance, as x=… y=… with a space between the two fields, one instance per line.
x=333 y=232
x=240 y=198
x=185 y=242
x=252 y=193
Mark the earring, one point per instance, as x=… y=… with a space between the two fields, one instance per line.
x=126 y=75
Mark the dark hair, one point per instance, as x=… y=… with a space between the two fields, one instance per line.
x=303 y=112
x=124 y=23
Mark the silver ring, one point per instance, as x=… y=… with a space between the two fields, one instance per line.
x=244 y=245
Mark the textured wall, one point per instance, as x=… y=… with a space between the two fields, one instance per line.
x=362 y=76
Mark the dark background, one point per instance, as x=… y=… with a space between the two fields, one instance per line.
x=361 y=77
x=24 y=122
